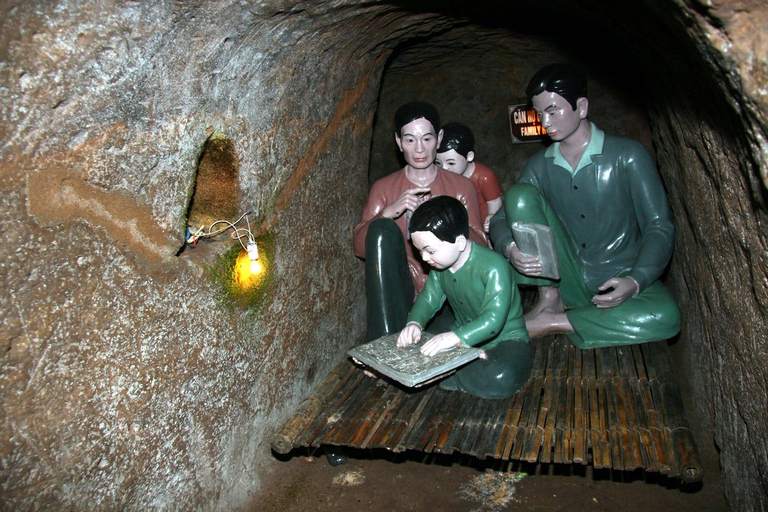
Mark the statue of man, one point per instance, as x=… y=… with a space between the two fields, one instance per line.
x=605 y=202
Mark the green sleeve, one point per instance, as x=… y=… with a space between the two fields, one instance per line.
x=501 y=235
x=497 y=301
x=429 y=301
x=654 y=218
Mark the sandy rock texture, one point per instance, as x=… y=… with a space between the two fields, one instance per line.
x=129 y=383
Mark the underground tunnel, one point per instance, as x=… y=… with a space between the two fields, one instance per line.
x=133 y=378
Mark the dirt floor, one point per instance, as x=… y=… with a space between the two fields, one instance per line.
x=373 y=481
x=381 y=481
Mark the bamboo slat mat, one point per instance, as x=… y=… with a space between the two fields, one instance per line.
x=617 y=408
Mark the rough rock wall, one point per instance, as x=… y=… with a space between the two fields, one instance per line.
x=720 y=269
x=127 y=383
x=711 y=123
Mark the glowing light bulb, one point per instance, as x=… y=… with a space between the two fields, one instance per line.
x=250 y=268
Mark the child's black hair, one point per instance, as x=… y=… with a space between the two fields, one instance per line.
x=459 y=137
x=443 y=216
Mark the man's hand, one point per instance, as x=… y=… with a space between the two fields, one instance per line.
x=487 y=223
x=408 y=201
x=623 y=289
x=410 y=335
x=440 y=343
x=528 y=266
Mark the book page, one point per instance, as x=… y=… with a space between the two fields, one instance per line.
x=408 y=365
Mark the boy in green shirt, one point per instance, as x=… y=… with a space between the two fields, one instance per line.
x=481 y=290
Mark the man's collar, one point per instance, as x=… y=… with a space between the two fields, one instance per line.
x=595 y=147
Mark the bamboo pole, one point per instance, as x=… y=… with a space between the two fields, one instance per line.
x=332 y=432
x=484 y=421
x=449 y=412
x=384 y=420
x=448 y=424
x=684 y=448
x=580 y=410
x=508 y=428
x=546 y=418
x=284 y=441
x=473 y=424
x=416 y=418
x=332 y=404
x=561 y=425
x=461 y=416
x=373 y=410
x=588 y=359
x=530 y=406
x=490 y=439
x=403 y=417
x=643 y=427
x=655 y=416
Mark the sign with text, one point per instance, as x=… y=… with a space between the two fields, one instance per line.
x=524 y=124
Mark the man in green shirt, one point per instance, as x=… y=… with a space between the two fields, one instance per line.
x=481 y=290
x=605 y=202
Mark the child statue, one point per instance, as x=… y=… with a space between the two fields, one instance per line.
x=457 y=154
x=480 y=288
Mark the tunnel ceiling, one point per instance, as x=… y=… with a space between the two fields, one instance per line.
x=652 y=51
x=127 y=381
x=477 y=62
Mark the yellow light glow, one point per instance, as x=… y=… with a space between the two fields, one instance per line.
x=248 y=273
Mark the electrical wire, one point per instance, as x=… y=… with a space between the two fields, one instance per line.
x=238 y=233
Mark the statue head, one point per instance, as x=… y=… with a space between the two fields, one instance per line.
x=443 y=216
x=439 y=231
x=457 y=149
x=564 y=79
x=458 y=137
x=558 y=93
x=417 y=134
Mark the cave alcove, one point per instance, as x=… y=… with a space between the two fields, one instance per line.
x=127 y=385
x=216 y=193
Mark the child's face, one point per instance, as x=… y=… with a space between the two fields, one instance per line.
x=435 y=252
x=452 y=161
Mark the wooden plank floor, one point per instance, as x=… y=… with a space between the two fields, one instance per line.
x=617 y=408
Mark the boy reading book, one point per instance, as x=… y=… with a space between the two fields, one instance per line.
x=480 y=288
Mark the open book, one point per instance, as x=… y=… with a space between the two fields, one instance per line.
x=537 y=240
x=408 y=365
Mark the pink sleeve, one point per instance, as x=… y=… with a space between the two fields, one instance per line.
x=489 y=184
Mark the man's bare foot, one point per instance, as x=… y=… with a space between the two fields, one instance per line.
x=549 y=302
x=547 y=323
